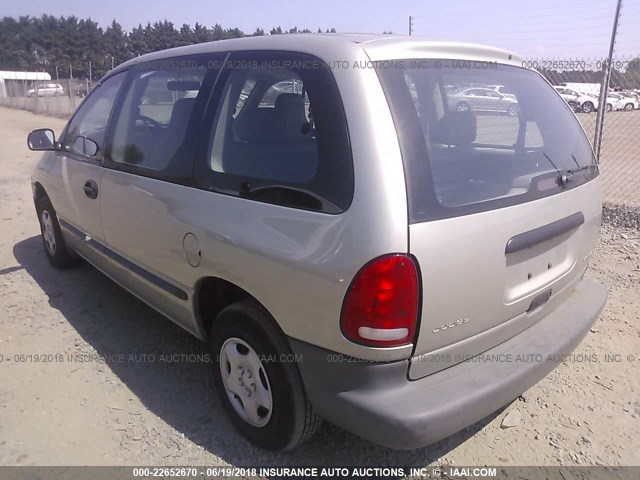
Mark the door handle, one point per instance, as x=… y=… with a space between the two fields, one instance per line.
x=91 y=189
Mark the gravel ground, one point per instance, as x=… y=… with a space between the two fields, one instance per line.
x=150 y=403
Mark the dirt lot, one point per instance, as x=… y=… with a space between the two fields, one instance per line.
x=138 y=409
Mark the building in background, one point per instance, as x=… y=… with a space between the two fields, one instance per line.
x=15 y=84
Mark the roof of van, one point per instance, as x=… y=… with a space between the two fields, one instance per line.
x=341 y=46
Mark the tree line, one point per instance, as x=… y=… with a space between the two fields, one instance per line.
x=46 y=42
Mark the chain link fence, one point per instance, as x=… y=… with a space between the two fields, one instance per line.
x=579 y=83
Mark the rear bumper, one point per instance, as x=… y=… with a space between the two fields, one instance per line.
x=378 y=402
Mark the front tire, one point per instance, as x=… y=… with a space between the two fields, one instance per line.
x=52 y=239
x=257 y=380
x=628 y=107
x=513 y=110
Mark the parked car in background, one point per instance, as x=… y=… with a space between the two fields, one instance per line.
x=575 y=100
x=590 y=102
x=376 y=264
x=482 y=100
x=622 y=101
x=502 y=90
x=46 y=90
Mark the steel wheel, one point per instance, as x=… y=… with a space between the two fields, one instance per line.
x=52 y=240
x=246 y=382
x=48 y=232
x=257 y=381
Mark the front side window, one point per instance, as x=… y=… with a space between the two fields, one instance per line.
x=279 y=135
x=468 y=149
x=152 y=124
x=91 y=119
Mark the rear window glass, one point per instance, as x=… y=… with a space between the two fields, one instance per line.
x=477 y=137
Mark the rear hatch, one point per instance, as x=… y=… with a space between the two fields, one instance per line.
x=504 y=202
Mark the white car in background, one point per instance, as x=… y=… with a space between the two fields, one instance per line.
x=484 y=100
x=615 y=101
x=621 y=101
x=505 y=91
x=46 y=90
x=576 y=100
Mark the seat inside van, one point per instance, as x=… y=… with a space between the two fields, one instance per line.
x=465 y=171
x=273 y=143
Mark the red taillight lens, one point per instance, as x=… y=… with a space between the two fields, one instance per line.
x=381 y=306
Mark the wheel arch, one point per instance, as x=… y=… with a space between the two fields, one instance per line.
x=39 y=192
x=214 y=294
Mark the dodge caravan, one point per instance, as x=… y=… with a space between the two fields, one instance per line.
x=354 y=244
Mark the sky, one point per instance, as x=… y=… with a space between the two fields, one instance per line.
x=541 y=29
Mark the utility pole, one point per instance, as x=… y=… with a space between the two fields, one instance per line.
x=604 y=87
x=410 y=25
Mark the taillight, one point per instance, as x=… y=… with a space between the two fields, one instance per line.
x=381 y=305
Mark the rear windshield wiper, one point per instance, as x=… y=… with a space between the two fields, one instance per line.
x=564 y=176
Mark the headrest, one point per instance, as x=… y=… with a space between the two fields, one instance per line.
x=182 y=111
x=289 y=102
x=456 y=128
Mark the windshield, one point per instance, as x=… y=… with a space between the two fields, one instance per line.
x=469 y=147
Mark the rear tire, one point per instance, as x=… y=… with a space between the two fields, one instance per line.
x=609 y=107
x=587 y=107
x=257 y=381
x=54 y=245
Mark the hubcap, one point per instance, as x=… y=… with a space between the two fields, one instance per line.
x=48 y=233
x=245 y=381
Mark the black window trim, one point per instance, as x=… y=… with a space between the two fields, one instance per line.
x=207 y=179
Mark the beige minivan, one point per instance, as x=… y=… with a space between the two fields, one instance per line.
x=353 y=242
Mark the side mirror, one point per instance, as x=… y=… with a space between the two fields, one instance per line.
x=84 y=146
x=42 y=139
